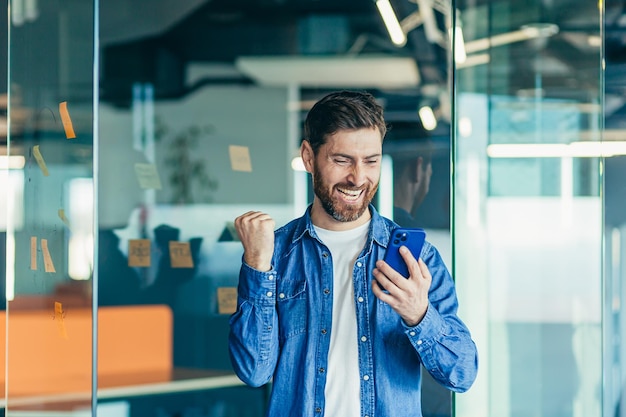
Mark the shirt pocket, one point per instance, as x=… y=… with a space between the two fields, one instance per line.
x=292 y=307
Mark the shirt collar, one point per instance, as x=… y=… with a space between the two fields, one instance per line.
x=379 y=230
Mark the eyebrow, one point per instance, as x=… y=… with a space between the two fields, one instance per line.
x=342 y=155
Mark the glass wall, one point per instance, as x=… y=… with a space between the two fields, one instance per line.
x=528 y=208
x=200 y=120
x=124 y=209
x=48 y=178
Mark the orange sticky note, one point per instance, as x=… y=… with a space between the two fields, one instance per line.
x=59 y=316
x=227 y=300
x=40 y=161
x=240 y=158
x=33 y=253
x=139 y=252
x=63 y=218
x=47 y=259
x=180 y=255
x=67 y=121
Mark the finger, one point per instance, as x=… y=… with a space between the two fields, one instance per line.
x=424 y=270
x=391 y=274
x=384 y=282
x=380 y=294
x=410 y=261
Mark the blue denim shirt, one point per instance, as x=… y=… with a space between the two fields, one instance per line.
x=282 y=327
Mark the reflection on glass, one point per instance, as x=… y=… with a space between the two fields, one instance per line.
x=49 y=223
x=528 y=210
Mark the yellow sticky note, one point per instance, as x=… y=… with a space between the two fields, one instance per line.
x=148 y=176
x=59 y=316
x=66 y=120
x=63 y=218
x=180 y=255
x=240 y=158
x=33 y=253
x=139 y=252
x=40 y=161
x=47 y=259
x=227 y=300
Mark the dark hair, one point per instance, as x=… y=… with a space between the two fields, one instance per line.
x=342 y=110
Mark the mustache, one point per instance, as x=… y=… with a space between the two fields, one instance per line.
x=350 y=187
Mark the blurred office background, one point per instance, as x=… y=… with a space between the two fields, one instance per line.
x=133 y=132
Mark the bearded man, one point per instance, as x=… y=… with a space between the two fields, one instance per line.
x=337 y=331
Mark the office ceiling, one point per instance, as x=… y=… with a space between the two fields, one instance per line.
x=173 y=35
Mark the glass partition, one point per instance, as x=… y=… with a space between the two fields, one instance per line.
x=49 y=227
x=528 y=205
x=200 y=120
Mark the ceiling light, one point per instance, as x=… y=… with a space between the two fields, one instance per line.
x=427 y=116
x=362 y=71
x=557 y=150
x=397 y=35
x=459 y=45
x=526 y=32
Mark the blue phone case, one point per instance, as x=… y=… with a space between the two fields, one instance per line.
x=412 y=239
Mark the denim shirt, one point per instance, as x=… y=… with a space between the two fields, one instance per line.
x=281 y=329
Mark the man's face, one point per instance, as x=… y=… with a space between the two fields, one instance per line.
x=346 y=172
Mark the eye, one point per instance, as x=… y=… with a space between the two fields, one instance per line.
x=341 y=161
x=372 y=161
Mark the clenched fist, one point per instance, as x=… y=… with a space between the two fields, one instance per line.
x=256 y=232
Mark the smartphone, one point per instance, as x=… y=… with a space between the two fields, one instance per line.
x=413 y=239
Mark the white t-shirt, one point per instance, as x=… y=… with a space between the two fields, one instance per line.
x=343 y=387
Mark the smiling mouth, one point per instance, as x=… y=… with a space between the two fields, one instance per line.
x=351 y=195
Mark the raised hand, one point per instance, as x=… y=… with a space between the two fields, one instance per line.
x=256 y=232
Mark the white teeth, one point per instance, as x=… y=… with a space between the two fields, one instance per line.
x=350 y=193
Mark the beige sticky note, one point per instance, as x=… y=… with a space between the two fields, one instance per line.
x=63 y=217
x=139 y=252
x=47 y=259
x=148 y=176
x=33 y=253
x=59 y=317
x=240 y=158
x=40 y=161
x=180 y=255
x=227 y=300
x=66 y=120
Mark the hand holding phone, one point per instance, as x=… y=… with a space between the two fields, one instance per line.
x=413 y=239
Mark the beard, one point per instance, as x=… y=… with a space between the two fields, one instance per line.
x=334 y=207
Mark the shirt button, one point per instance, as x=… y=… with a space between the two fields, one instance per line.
x=419 y=342
x=318 y=409
x=326 y=291
x=269 y=294
x=359 y=264
x=322 y=370
x=271 y=277
x=412 y=333
x=323 y=331
x=366 y=377
x=363 y=339
x=325 y=254
x=281 y=295
x=360 y=299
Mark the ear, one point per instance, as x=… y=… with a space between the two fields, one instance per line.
x=307 y=155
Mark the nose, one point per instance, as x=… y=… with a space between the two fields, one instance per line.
x=357 y=176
